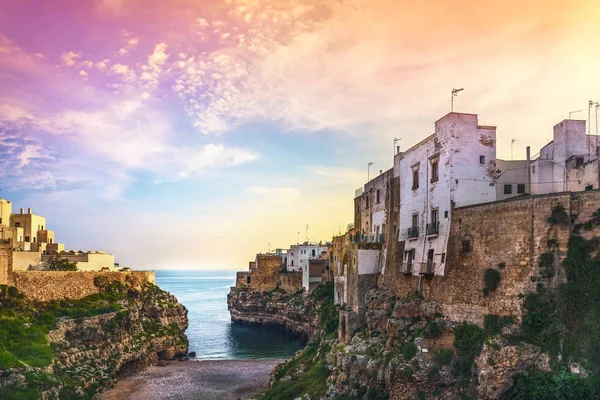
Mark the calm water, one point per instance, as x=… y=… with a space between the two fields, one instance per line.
x=211 y=333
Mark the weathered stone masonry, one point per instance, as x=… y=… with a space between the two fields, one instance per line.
x=512 y=233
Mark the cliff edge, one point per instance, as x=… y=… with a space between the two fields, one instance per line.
x=66 y=349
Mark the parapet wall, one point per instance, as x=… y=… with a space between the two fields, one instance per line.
x=6 y=262
x=508 y=236
x=57 y=285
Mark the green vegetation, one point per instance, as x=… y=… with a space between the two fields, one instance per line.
x=547 y=264
x=24 y=325
x=468 y=341
x=491 y=279
x=312 y=380
x=443 y=356
x=537 y=385
x=559 y=215
x=308 y=371
x=409 y=350
x=493 y=324
x=55 y=263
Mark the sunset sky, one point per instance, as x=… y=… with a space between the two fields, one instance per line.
x=193 y=133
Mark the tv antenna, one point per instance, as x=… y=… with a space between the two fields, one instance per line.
x=512 y=142
x=454 y=94
x=573 y=112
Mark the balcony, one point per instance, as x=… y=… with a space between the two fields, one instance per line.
x=407 y=268
x=427 y=268
x=413 y=232
x=433 y=229
x=367 y=238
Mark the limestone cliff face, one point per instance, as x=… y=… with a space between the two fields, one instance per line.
x=295 y=312
x=148 y=329
x=91 y=352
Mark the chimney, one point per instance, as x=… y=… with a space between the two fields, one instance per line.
x=380 y=171
x=21 y=211
x=29 y=211
x=397 y=149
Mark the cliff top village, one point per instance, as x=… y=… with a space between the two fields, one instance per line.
x=446 y=211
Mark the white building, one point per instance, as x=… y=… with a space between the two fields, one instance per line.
x=453 y=167
x=568 y=163
x=298 y=257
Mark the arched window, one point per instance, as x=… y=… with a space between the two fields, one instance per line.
x=466 y=244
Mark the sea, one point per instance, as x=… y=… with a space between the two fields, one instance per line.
x=211 y=333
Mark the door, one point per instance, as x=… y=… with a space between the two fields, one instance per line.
x=409 y=260
x=430 y=262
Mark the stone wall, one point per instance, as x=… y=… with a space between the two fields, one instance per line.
x=6 y=262
x=508 y=236
x=290 y=281
x=55 y=285
x=264 y=278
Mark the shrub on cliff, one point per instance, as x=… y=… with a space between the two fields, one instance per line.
x=55 y=263
x=468 y=341
x=491 y=278
x=559 y=215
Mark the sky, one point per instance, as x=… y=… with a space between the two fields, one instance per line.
x=196 y=133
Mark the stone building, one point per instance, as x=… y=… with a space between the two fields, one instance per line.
x=33 y=243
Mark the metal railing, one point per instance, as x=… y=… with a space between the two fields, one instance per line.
x=428 y=268
x=413 y=232
x=433 y=228
x=367 y=238
x=422 y=268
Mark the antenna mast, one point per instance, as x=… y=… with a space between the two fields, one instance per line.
x=454 y=94
x=369 y=171
x=512 y=142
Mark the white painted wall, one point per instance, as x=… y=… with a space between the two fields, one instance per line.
x=368 y=261
x=458 y=143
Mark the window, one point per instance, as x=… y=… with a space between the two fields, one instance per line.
x=443 y=258
x=446 y=214
x=507 y=189
x=313 y=253
x=248 y=279
x=482 y=160
x=521 y=188
x=434 y=216
x=367 y=201
x=434 y=171
x=533 y=169
x=415 y=220
x=292 y=263
x=466 y=244
x=17 y=224
x=27 y=238
x=378 y=193
x=395 y=228
x=0 y=221
x=415 y=179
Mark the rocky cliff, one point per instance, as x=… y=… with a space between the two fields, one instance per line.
x=75 y=349
x=295 y=312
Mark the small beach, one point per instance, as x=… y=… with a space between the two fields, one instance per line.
x=207 y=380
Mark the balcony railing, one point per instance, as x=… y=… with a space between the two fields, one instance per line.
x=413 y=232
x=422 y=268
x=433 y=228
x=428 y=268
x=367 y=238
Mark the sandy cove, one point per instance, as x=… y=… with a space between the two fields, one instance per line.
x=207 y=380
